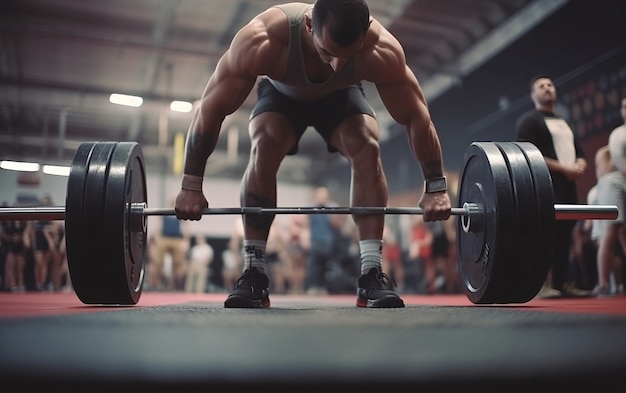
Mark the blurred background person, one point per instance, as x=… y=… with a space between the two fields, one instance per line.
x=566 y=161
x=605 y=234
x=420 y=254
x=392 y=259
x=611 y=190
x=16 y=240
x=232 y=257
x=59 y=273
x=201 y=255
x=275 y=256
x=322 y=238
x=171 y=241
x=46 y=237
x=297 y=244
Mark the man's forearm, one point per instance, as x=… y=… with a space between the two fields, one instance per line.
x=197 y=151
x=200 y=144
x=427 y=151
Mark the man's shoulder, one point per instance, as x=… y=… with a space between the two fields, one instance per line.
x=530 y=113
x=619 y=130
x=617 y=135
x=380 y=53
x=528 y=116
x=276 y=24
x=257 y=45
x=617 y=139
x=293 y=7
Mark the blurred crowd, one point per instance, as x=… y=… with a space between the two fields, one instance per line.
x=306 y=254
x=32 y=255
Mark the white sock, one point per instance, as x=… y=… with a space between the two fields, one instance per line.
x=254 y=254
x=371 y=251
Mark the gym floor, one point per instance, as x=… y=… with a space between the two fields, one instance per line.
x=184 y=342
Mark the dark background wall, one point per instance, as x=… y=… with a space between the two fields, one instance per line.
x=582 y=47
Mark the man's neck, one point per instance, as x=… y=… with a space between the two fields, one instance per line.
x=545 y=107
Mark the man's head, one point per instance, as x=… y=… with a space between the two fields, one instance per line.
x=542 y=91
x=321 y=195
x=346 y=21
x=339 y=28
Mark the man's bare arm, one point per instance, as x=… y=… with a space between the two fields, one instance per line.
x=405 y=102
x=227 y=89
x=384 y=64
x=225 y=93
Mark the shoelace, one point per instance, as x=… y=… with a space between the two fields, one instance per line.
x=385 y=281
x=245 y=279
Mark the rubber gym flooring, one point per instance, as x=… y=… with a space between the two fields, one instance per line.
x=189 y=342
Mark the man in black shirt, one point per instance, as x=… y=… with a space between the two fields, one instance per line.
x=567 y=162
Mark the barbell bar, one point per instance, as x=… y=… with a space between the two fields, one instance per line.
x=562 y=211
x=504 y=230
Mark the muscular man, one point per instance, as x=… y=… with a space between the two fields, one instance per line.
x=311 y=60
x=566 y=162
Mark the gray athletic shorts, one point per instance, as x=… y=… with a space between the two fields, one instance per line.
x=324 y=115
x=610 y=190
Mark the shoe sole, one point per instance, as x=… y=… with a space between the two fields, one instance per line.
x=242 y=302
x=577 y=295
x=551 y=296
x=389 y=301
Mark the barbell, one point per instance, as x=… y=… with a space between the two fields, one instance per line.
x=504 y=226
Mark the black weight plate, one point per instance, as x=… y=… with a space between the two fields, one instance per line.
x=74 y=227
x=484 y=180
x=126 y=234
x=515 y=275
x=75 y=233
x=87 y=263
x=544 y=197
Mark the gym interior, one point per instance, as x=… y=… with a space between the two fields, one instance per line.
x=474 y=60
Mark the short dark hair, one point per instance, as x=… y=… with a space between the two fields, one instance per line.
x=536 y=78
x=346 y=20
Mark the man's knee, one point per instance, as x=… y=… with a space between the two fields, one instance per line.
x=358 y=141
x=367 y=157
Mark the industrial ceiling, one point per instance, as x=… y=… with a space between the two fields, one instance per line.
x=61 y=59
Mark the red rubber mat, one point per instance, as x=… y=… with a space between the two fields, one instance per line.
x=39 y=304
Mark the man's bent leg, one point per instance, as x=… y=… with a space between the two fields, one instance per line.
x=369 y=189
x=271 y=139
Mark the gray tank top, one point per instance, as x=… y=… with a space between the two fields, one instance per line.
x=294 y=82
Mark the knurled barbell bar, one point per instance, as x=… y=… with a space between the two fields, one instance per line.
x=504 y=229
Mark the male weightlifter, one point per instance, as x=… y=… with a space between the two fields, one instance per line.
x=311 y=59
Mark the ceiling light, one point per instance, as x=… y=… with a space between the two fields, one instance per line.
x=20 y=166
x=181 y=106
x=56 y=170
x=123 y=99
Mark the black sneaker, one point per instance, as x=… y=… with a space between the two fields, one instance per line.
x=375 y=289
x=251 y=291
